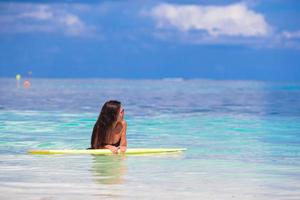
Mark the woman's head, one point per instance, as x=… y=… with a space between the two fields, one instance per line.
x=111 y=113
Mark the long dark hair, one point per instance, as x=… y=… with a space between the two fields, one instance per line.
x=108 y=115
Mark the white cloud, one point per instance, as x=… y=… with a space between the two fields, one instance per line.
x=25 y=17
x=41 y=12
x=289 y=39
x=291 y=35
x=215 y=21
x=73 y=25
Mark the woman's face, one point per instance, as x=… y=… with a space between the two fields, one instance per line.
x=121 y=114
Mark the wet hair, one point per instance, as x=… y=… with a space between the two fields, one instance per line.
x=108 y=115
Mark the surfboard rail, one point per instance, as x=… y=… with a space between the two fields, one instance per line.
x=106 y=151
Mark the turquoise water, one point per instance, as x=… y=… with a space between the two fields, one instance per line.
x=243 y=139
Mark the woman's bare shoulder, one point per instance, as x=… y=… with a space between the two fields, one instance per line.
x=123 y=122
x=121 y=125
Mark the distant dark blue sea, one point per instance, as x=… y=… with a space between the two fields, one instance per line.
x=242 y=139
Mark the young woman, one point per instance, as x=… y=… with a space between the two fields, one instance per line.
x=109 y=131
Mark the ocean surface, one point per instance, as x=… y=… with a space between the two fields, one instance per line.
x=242 y=139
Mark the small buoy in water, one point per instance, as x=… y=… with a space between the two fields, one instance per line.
x=18 y=77
x=26 y=84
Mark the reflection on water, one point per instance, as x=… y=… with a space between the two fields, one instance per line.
x=109 y=169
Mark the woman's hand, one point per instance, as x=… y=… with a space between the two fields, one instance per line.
x=112 y=148
x=123 y=149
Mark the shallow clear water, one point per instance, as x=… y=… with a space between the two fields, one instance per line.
x=243 y=139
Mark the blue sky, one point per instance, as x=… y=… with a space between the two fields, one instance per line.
x=213 y=39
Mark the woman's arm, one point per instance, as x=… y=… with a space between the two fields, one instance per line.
x=123 y=144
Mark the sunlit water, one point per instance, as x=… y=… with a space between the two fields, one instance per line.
x=243 y=139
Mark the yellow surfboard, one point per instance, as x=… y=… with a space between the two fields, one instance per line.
x=107 y=151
